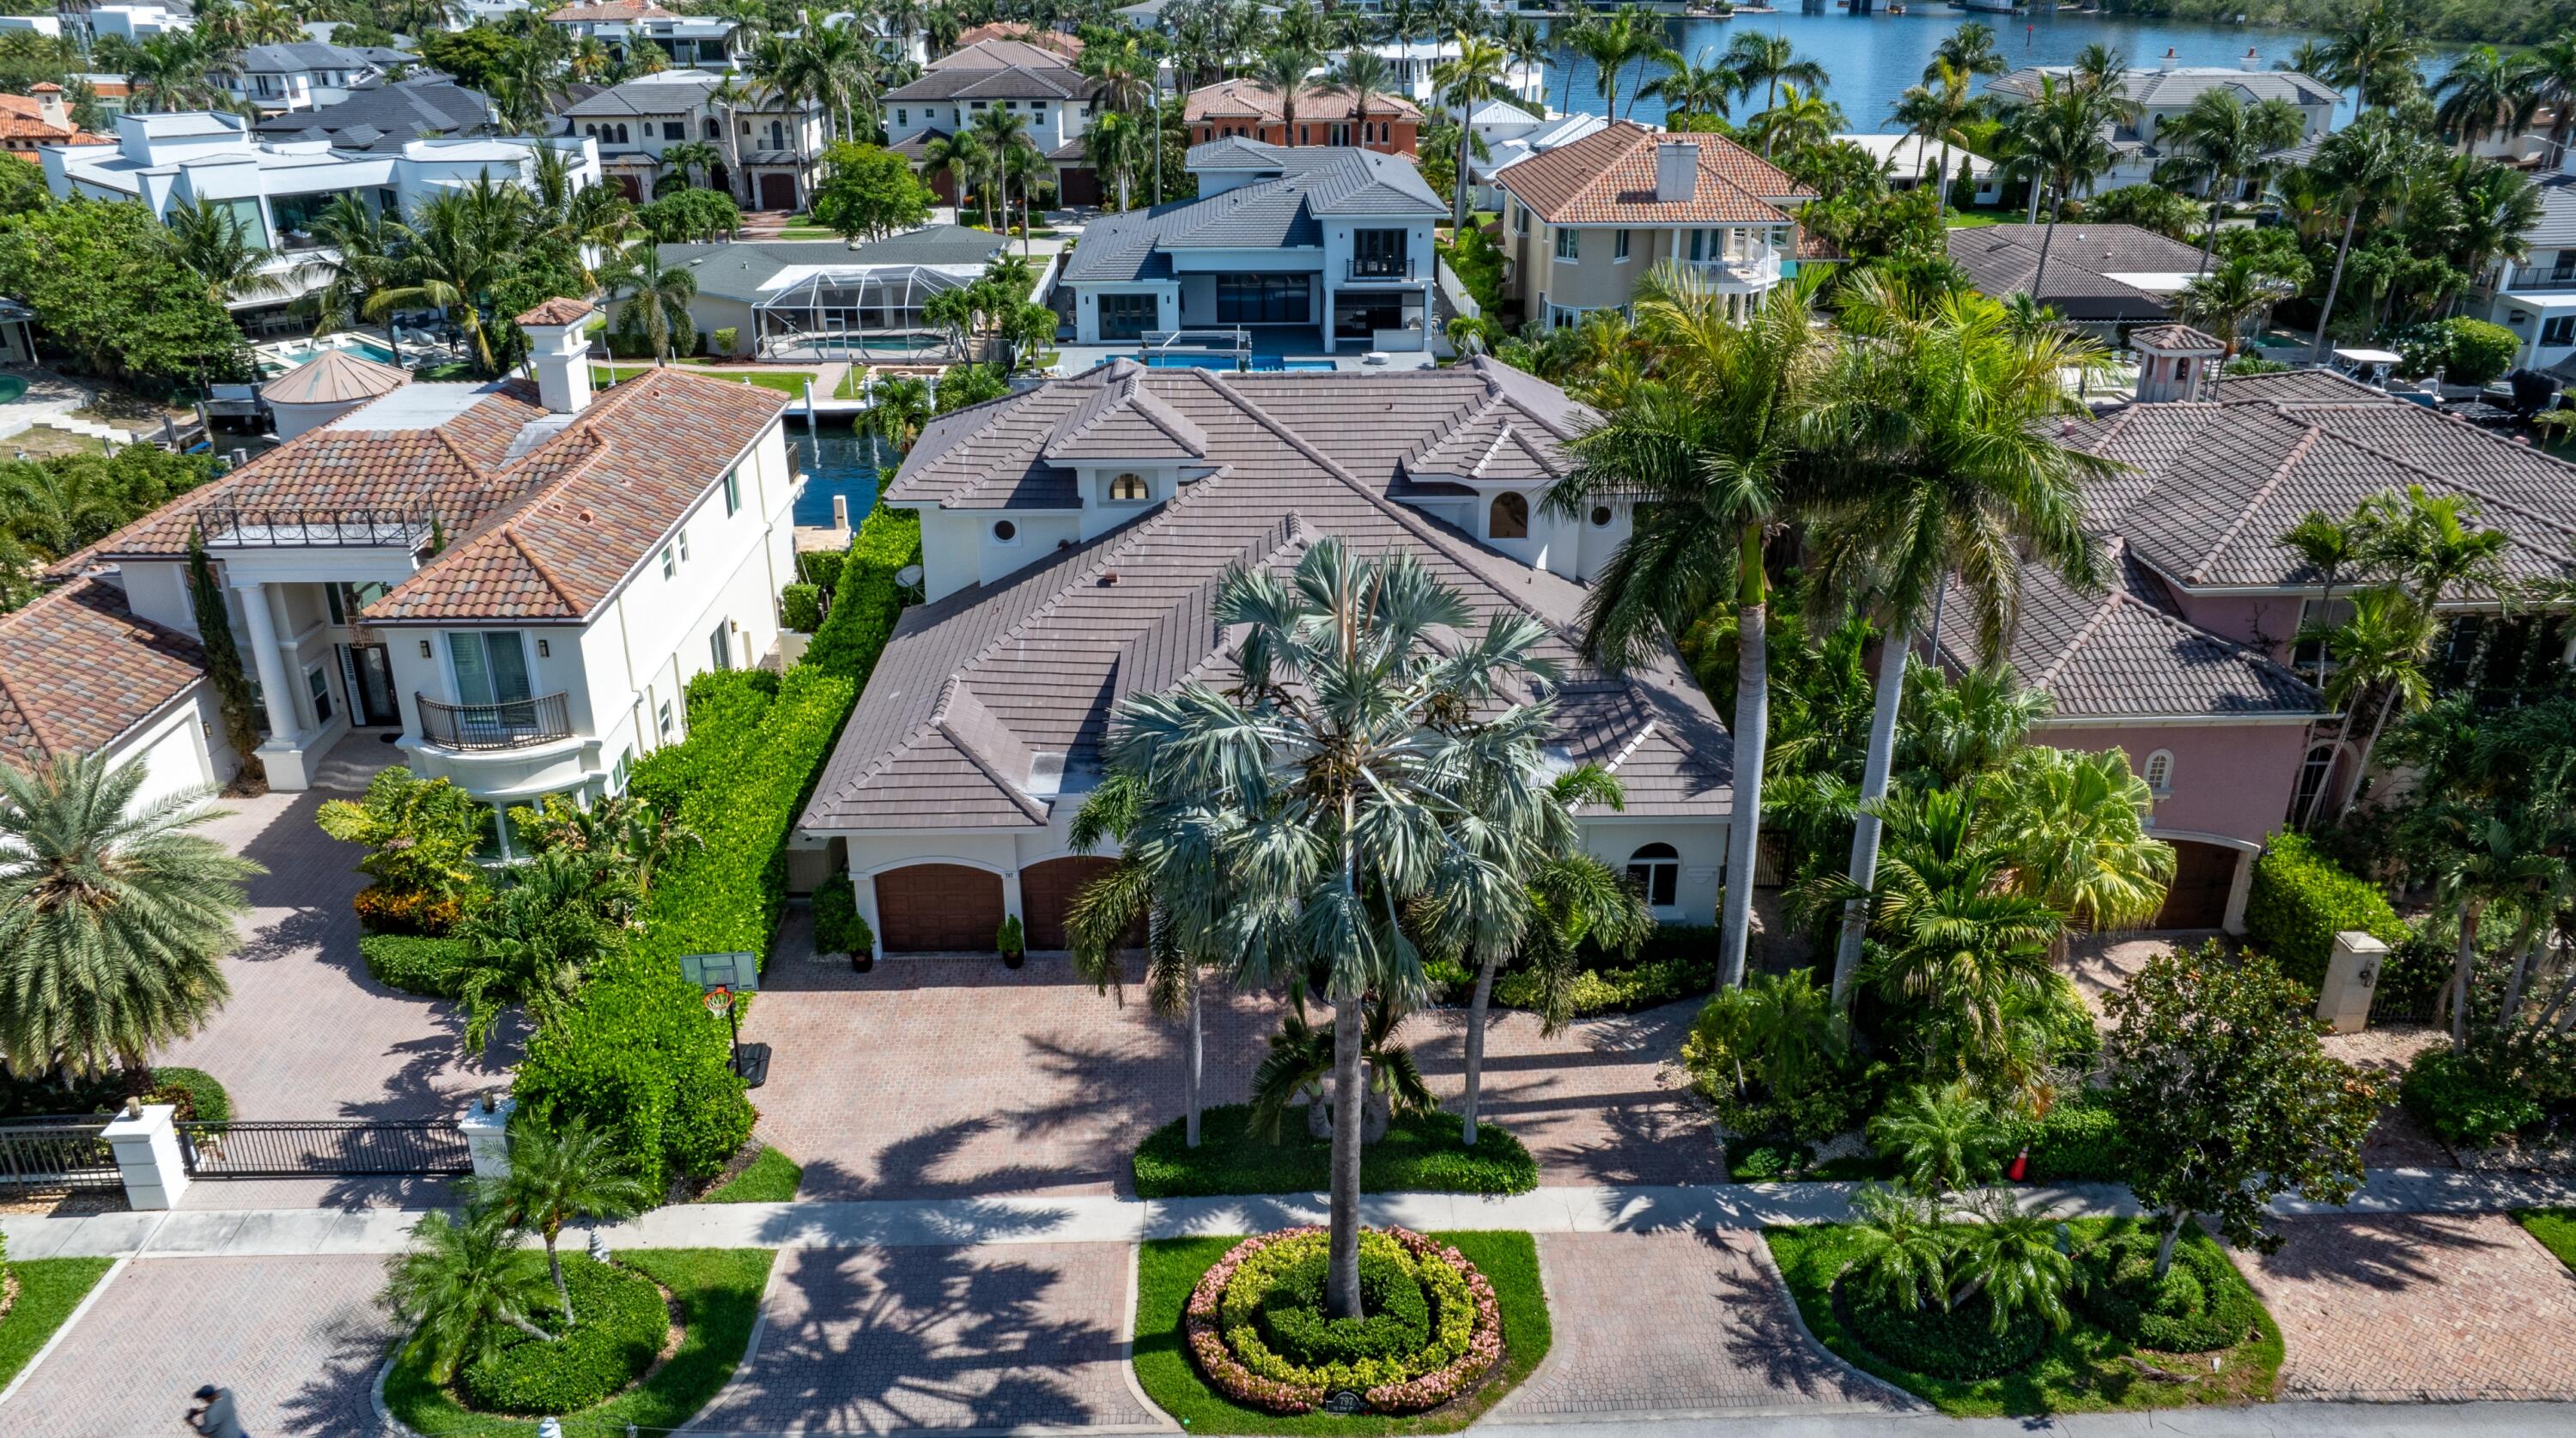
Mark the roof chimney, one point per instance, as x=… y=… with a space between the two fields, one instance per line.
x=2169 y=62
x=49 y=105
x=559 y=351
x=1676 y=171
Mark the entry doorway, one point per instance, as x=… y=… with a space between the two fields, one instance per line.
x=369 y=674
x=778 y=192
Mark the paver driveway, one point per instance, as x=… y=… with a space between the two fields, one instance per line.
x=2419 y=1306
x=298 y=1340
x=949 y=1077
x=996 y=1337
x=1667 y=1324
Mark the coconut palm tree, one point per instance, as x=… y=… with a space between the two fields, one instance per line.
x=1799 y=120
x=114 y=919
x=657 y=293
x=1354 y=790
x=462 y=1281
x=2498 y=210
x=2057 y=141
x=210 y=239
x=1003 y=134
x=1711 y=455
x=1284 y=70
x=1364 y=78
x=1951 y=474
x=2222 y=300
x=1612 y=43
x=1528 y=47
x=354 y=258
x=2484 y=94
x=2221 y=142
x=1970 y=50
x=557 y=1176
x=2374 y=55
x=967 y=161
x=453 y=256
x=1691 y=91
x=1465 y=82
x=1770 y=60
x=1937 y=112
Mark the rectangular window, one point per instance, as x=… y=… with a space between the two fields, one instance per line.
x=1520 y=219
x=1377 y=253
x=674 y=130
x=2313 y=617
x=625 y=766
x=320 y=687
x=491 y=666
x=670 y=563
x=733 y=493
x=2558 y=330
x=2563 y=268
x=902 y=118
x=1619 y=247
x=665 y=716
x=1263 y=300
x=1569 y=245
x=720 y=647
x=684 y=546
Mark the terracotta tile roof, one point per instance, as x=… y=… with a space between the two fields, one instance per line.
x=1608 y=178
x=1068 y=46
x=2176 y=337
x=556 y=312
x=77 y=669
x=22 y=117
x=600 y=10
x=1316 y=104
x=336 y=377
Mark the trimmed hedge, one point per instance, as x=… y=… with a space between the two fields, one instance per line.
x=2200 y=1306
x=1955 y=1342
x=866 y=600
x=801 y=607
x=2301 y=899
x=821 y=567
x=621 y=1326
x=2079 y=1140
x=1419 y=1154
x=197 y=1094
x=428 y=967
x=838 y=928
x=2463 y=1101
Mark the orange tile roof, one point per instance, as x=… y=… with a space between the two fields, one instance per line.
x=1252 y=100
x=1069 y=46
x=557 y=311
x=597 y=10
x=77 y=669
x=1608 y=178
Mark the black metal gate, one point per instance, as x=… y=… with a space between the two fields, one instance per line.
x=51 y=1153
x=323 y=1148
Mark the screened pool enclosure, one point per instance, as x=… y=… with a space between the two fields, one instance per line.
x=869 y=311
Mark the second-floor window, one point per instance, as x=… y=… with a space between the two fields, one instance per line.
x=2558 y=330
x=674 y=130
x=491 y=666
x=1377 y=252
x=1619 y=248
x=1569 y=245
x=733 y=493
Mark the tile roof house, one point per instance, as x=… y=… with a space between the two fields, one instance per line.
x=791 y=298
x=1073 y=538
x=1322 y=238
x=384 y=117
x=2097 y=275
x=1038 y=84
x=1066 y=47
x=2167 y=91
x=38 y=118
x=771 y=149
x=1325 y=116
x=301 y=75
x=81 y=673
x=1584 y=220
x=518 y=578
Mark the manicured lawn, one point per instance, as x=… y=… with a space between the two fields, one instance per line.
x=771 y=1177
x=1974 y=219
x=48 y=1290
x=719 y=1293
x=786 y=382
x=1420 y=1154
x=1168 y=1268
x=2555 y=1228
x=452 y=370
x=2082 y=1369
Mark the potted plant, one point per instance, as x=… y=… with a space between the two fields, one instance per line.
x=1012 y=942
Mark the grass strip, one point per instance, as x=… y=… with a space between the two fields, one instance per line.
x=48 y=1290
x=1420 y=1154
x=2555 y=1228
x=770 y=1177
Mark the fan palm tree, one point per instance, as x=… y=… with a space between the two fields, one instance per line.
x=463 y=1281
x=114 y=919
x=1954 y=730
x=1937 y=112
x=2221 y=142
x=2222 y=300
x=1474 y=76
x=1951 y=473
x=1711 y=456
x=2057 y=141
x=1354 y=788
x=656 y=292
x=1970 y=50
x=2484 y=94
x=557 y=1176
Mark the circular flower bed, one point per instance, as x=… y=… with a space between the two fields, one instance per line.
x=1257 y=1329
x=1958 y=1342
x=2199 y=1306
x=621 y=1325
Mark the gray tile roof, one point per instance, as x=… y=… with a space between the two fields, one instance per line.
x=389 y=115
x=299 y=55
x=2179 y=87
x=1004 y=82
x=1045 y=653
x=1312 y=181
x=2557 y=227
x=738 y=270
x=2082 y=258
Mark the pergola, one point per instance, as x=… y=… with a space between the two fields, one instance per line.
x=857 y=310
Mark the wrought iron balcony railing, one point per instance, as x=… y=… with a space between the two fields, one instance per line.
x=514 y=724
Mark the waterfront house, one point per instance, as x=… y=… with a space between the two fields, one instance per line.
x=2168 y=90
x=827 y=299
x=1512 y=134
x=1251 y=110
x=687 y=42
x=779 y=146
x=2535 y=296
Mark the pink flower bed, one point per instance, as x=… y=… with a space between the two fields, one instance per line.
x=1204 y=1332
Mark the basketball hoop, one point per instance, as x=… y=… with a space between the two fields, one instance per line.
x=719 y=999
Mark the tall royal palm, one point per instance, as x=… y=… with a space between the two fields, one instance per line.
x=1949 y=470
x=114 y=919
x=1712 y=455
x=2484 y=94
x=2221 y=142
x=1612 y=43
x=2057 y=141
x=1352 y=793
x=1286 y=69
x=1970 y=49
x=1368 y=82
x=1474 y=76
x=2365 y=165
x=1770 y=60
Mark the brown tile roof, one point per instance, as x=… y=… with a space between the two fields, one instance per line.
x=2176 y=337
x=77 y=669
x=335 y=377
x=1608 y=178
x=556 y=312
x=1316 y=104
x=1068 y=46
x=22 y=117
x=1044 y=654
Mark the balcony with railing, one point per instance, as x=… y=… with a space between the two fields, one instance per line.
x=490 y=728
x=1381 y=267
x=1757 y=268
x=402 y=526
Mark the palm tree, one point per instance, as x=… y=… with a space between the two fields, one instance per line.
x=657 y=292
x=895 y=415
x=452 y=258
x=1003 y=134
x=1710 y=455
x=1523 y=41
x=967 y=162
x=2374 y=56
x=726 y=99
x=1901 y=1253
x=1469 y=80
x=1354 y=790
x=534 y=942
x=210 y=239
x=2329 y=548
x=1284 y=70
x=1300 y=1063
x=2221 y=142
x=2222 y=300
x=1937 y=112
x=2017 y=1258
x=1943 y=1138
x=354 y=259
x=1364 y=77
x=1942 y=407
x=2551 y=70
x=2484 y=94
x=1691 y=91
x=172 y=72
x=1770 y=60
x=2076 y=824
x=2057 y=141
x=114 y=919
x=1114 y=146
x=1801 y=119
x=2366 y=164
x=1970 y=50
x=462 y=1282
x=691 y=158
x=557 y=1176
x=1610 y=43
x=2378 y=656
x=2499 y=209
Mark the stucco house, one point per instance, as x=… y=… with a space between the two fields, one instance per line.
x=2535 y=297
x=2099 y=276
x=688 y=42
x=2169 y=90
x=779 y=145
x=1073 y=536
x=300 y=75
x=1036 y=83
x=1252 y=110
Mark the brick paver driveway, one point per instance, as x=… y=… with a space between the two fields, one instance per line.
x=1668 y=1324
x=950 y=1077
x=298 y=1340
x=999 y=1337
x=2402 y=1308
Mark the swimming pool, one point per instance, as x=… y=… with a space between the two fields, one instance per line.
x=11 y=386
x=1227 y=363
x=275 y=364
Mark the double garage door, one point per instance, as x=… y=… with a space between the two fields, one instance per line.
x=929 y=908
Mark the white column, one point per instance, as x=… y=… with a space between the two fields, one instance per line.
x=1011 y=894
x=487 y=1136
x=147 y=1156
x=271 y=665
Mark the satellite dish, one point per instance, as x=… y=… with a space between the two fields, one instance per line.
x=909 y=576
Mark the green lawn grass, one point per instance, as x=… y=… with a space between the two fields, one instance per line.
x=48 y=1290
x=1168 y=1268
x=770 y=1177
x=1420 y=1154
x=2555 y=1228
x=719 y=1293
x=2079 y=1371
x=786 y=382
x=1974 y=219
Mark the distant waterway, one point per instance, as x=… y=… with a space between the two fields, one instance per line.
x=836 y=460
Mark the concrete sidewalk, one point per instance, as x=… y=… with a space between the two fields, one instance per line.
x=938 y=1223
x=2259 y=1420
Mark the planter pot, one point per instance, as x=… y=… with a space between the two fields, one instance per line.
x=1014 y=960
x=862 y=961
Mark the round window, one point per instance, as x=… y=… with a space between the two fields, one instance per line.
x=1004 y=531
x=1600 y=516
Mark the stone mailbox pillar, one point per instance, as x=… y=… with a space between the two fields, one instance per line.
x=487 y=1136
x=147 y=1155
x=2352 y=976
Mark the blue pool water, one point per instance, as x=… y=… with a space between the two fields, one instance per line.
x=1227 y=362
x=835 y=460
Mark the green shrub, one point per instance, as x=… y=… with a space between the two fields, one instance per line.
x=1419 y=1154
x=2078 y=1141
x=2201 y=1305
x=2467 y=351
x=1767 y=1162
x=194 y=1092
x=431 y=968
x=838 y=929
x=822 y=567
x=622 y=1325
x=1676 y=962
x=408 y=911
x=728 y=339
x=1397 y=1322
x=1955 y=1342
x=800 y=607
x=866 y=601
x=2463 y=1100
x=2300 y=900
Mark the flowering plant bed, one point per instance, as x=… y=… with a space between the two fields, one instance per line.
x=1256 y=1327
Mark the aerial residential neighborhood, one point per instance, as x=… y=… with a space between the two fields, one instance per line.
x=1237 y=718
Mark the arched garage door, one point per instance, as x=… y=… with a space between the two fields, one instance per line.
x=2197 y=898
x=930 y=907
x=1046 y=892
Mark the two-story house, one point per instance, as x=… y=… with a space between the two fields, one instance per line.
x=39 y=118
x=386 y=116
x=1583 y=221
x=1053 y=101
x=1073 y=536
x=2170 y=90
x=304 y=75
x=2535 y=297
x=516 y=579
x=1330 y=241
x=778 y=146
x=688 y=42
x=1250 y=110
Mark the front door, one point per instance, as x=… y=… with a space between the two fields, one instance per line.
x=1126 y=317
x=370 y=675
x=778 y=192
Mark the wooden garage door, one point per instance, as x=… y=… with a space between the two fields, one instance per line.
x=778 y=192
x=938 y=906
x=1046 y=892
x=2197 y=899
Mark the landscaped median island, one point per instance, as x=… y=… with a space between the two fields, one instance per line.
x=1231 y=1335
x=1420 y=1153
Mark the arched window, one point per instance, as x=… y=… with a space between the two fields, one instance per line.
x=2159 y=771
x=1657 y=870
x=2312 y=781
x=709 y=128
x=1128 y=487
x=1508 y=518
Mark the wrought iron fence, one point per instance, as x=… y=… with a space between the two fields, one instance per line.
x=513 y=725
x=323 y=1148
x=57 y=1153
x=368 y=526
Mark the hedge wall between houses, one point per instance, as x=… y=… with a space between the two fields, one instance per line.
x=866 y=601
x=2301 y=899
